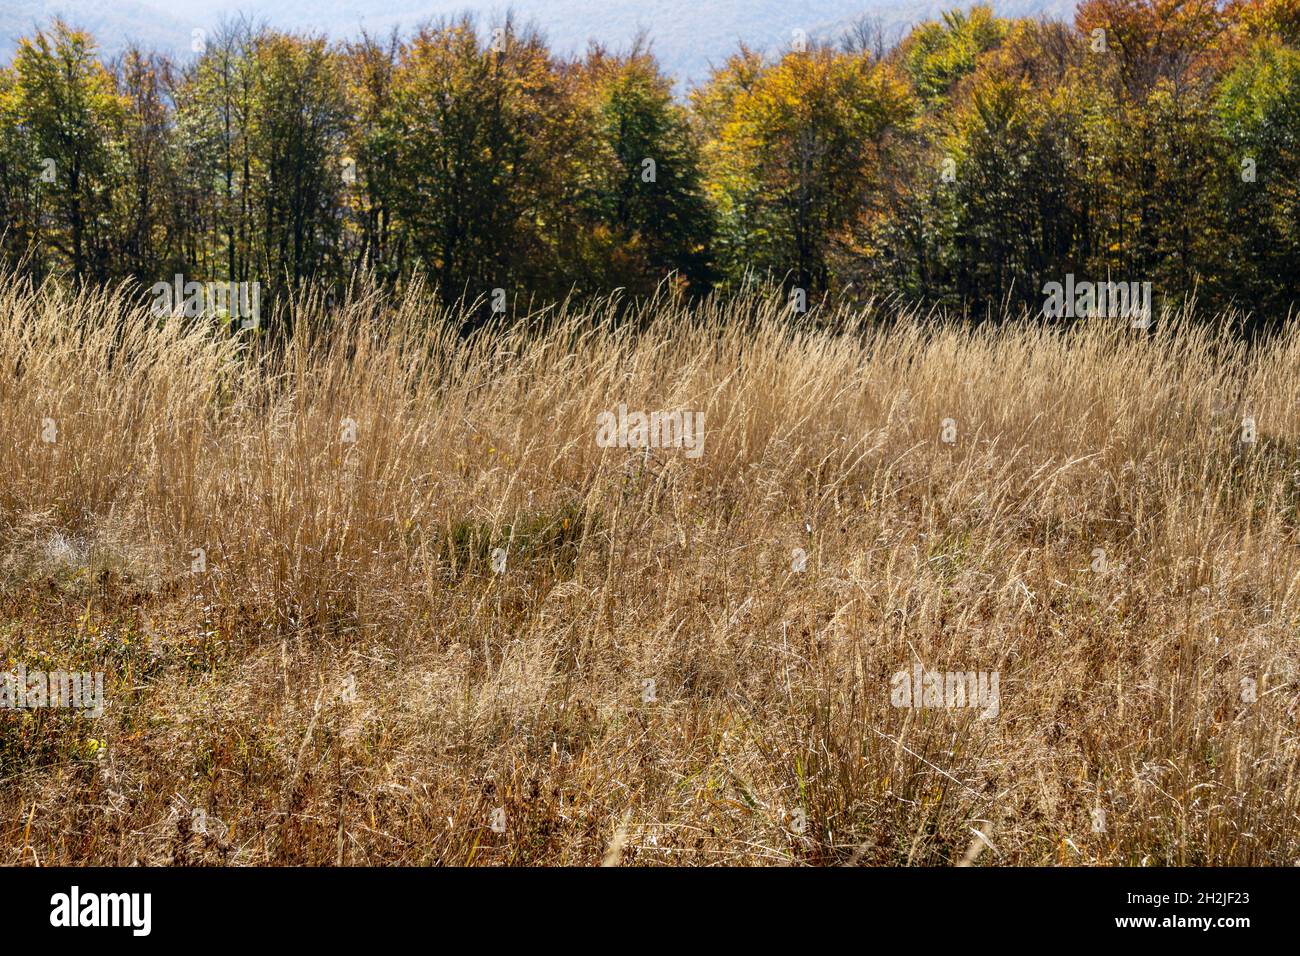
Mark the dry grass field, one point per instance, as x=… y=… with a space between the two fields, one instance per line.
x=282 y=560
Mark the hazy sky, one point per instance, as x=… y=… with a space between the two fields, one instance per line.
x=687 y=35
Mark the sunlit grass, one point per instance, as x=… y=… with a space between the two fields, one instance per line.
x=349 y=679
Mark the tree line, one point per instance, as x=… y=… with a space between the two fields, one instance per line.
x=966 y=165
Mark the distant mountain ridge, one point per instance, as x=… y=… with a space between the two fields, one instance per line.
x=114 y=23
x=686 y=35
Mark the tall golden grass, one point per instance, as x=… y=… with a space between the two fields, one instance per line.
x=348 y=680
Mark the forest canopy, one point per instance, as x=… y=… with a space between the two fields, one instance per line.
x=968 y=165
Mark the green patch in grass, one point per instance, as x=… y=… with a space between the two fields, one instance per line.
x=551 y=539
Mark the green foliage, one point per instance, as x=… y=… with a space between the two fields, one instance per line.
x=938 y=55
x=1152 y=140
x=1258 y=115
x=646 y=181
x=67 y=122
x=796 y=147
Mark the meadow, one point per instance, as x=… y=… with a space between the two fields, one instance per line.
x=372 y=593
